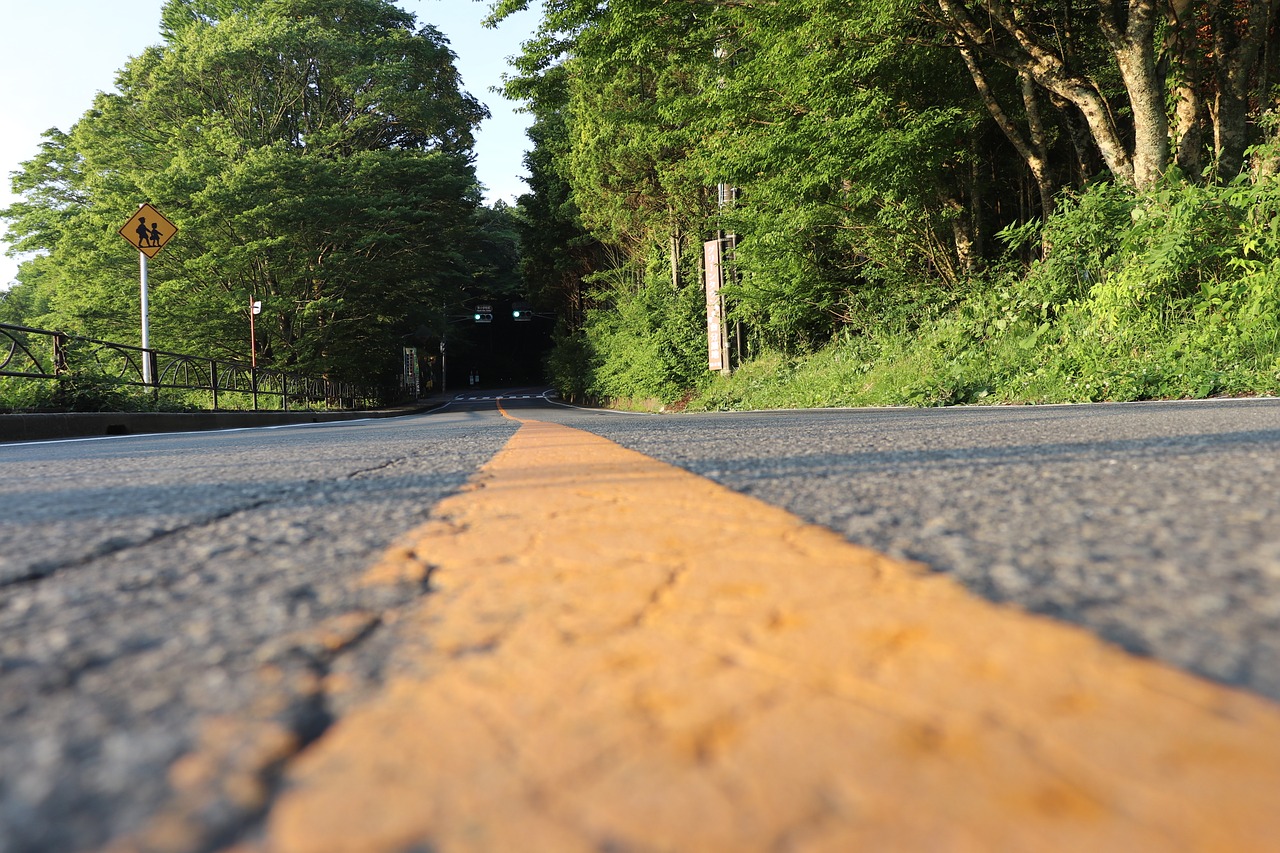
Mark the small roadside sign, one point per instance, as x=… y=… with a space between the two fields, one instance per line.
x=148 y=230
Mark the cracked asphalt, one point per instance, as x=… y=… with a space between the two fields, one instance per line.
x=148 y=583
x=181 y=616
x=1155 y=525
x=618 y=655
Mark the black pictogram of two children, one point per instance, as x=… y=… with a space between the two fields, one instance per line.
x=148 y=236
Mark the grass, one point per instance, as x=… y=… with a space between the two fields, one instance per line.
x=945 y=364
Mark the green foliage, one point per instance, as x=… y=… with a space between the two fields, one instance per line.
x=892 y=171
x=837 y=125
x=494 y=262
x=648 y=345
x=88 y=392
x=841 y=128
x=569 y=364
x=315 y=155
x=83 y=394
x=643 y=340
x=1171 y=293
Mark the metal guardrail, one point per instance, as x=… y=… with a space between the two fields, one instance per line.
x=41 y=354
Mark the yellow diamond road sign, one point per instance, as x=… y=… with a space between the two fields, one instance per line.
x=148 y=230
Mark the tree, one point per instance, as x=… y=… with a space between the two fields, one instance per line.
x=1185 y=51
x=1239 y=30
x=315 y=154
x=1027 y=38
x=879 y=158
x=828 y=120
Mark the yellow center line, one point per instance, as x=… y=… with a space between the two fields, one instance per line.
x=620 y=655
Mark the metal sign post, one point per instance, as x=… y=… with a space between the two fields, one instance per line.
x=148 y=232
x=146 y=324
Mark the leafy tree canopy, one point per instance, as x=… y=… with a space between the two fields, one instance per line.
x=873 y=161
x=315 y=155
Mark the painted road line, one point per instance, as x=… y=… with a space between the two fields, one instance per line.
x=620 y=655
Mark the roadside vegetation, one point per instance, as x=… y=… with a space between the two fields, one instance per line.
x=1172 y=293
x=930 y=202
x=315 y=155
x=917 y=202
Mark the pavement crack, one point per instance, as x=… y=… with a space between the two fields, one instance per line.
x=48 y=568
x=660 y=597
x=225 y=786
x=539 y=792
x=44 y=569
x=374 y=469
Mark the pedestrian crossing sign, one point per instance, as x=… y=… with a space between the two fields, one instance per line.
x=148 y=230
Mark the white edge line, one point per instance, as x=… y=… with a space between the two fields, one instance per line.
x=602 y=411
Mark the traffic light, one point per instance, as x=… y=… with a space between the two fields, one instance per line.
x=483 y=317
x=522 y=312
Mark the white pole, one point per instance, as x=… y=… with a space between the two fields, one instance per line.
x=146 y=323
x=253 y=335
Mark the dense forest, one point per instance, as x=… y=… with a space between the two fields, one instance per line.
x=918 y=201
x=316 y=156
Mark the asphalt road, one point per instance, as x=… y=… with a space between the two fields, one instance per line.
x=147 y=583
x=1156 y=525
x=147 y=580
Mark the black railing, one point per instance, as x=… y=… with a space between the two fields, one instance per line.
x=38 y=354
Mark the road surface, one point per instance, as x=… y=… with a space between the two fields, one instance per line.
x=188 y=629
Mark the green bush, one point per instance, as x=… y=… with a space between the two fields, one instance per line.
x=644 y=339
x=1167 y=294
x=74 y=394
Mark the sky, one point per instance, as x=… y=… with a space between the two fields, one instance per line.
x=55 y=55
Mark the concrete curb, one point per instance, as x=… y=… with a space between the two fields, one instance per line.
x=38 y=427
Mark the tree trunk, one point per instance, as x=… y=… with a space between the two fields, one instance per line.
x=1182 y=46
x=1133 y=44
x=1087 y=162
x=977 y=189
x=1039 y=164
x=675 y=259
x=1049 y=69
x=1236 y=53
x=1097 y=116
x=1031 y=148
x=1150 y=122
x=962 y=235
